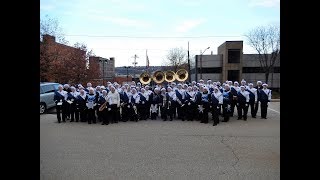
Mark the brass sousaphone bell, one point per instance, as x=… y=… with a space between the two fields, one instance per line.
x=170 y=76
x=182 y=75
x=158 y=77
x=145 y=78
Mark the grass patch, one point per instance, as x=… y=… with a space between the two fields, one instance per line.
x=275 y=95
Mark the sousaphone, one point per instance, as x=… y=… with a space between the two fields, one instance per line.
x=145 y=78
x=158 y=77
x=170 y=76
x=182 y=75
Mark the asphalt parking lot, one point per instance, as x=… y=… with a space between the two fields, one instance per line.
x=155 y=149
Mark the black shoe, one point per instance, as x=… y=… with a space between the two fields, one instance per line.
x=244 y=119
x=239 y=118
x=64 y=121
x=102 y=124
x=214 y=124
x=201 y=122
x=254 y=117
x=72 y=121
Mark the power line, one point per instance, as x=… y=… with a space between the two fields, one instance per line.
x=164 y=37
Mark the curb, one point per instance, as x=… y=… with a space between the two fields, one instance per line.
x=275 y=100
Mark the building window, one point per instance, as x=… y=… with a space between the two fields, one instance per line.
x=233 y=75
x=214 y=70
x=233 y=55
x=258 y=70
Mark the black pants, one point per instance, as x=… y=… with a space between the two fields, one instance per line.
x=142 y=110
x=204 y=115
x=242 y=111
x=60 y=110
x=74 y=113
x=163 y=110
x=91 y=116
x=256 y=107
x=66 y=107
x=226 y=112
x=233 y=105
x=181 y=111
x=252 y=108
x=190 y=112
x=113 y=113
x=83 y=114
x=215 y=113
x=264 y=109
x=104 y=115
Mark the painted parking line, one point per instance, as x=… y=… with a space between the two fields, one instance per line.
x=274 y=110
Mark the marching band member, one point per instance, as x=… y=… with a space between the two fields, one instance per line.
x=265 y=98
x=227 y=99
x=243 y=103
x=142 y=106
x=244 y=83
x=180 y=102
x=171 y=102
x=81 y=103
x=164 y=104
x=253 y=99
x=66 y=105
x=91 y=103
x=98 y=94
x=197 y=96
x=216 y=102
x=104 y=114
x=258 y=87
x=150 y=96
x=124 y=104
x=190 y=103
x=71 y=99
x=59 y=99
x=204 y=105
x=234 y=91
x=89 y=85
x=156 y=101
x=113 y=99
x=135 y=98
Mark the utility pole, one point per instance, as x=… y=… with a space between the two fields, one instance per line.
x=189 y=78
x=127 y=67
x=134 y=65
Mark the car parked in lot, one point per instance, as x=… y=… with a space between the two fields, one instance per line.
x=47 y=90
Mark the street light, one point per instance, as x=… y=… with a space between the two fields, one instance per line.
x=201 y=62
x=127 y=67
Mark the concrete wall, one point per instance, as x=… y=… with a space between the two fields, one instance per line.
x=210 y=61
x=254 y=77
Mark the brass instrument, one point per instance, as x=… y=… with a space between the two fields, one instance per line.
x=164 y=101
x=103 y=106
x=182 y=75
x=170 y=76
x=145 y=78
x=158 y=77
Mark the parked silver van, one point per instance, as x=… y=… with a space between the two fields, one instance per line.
x=47 y=90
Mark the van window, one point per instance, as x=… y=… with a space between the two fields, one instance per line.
x=56 y=86
x=41 y=90
x=48 y=88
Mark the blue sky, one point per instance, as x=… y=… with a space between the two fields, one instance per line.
x=82 y=21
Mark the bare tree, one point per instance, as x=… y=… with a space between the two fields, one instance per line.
x=266 y=41
x=176 y=58
x=51 y=27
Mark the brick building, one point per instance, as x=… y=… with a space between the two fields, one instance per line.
x=50 y=50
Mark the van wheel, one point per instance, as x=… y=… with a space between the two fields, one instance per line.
x=42 y=108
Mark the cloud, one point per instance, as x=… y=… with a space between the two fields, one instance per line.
x=46 y=7
x=188 y=24
x=122 y=21
x=264 y=3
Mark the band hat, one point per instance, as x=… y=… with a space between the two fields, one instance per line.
x=163 y=89
x=250 y=84
x=265 y=84
x=242 y=87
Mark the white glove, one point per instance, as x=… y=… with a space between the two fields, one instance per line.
x=268 y=103
x=142 y=102
x=218 y=107
x=109 y=109
x=128 y=106
x=247 y=105
x=237 y=104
